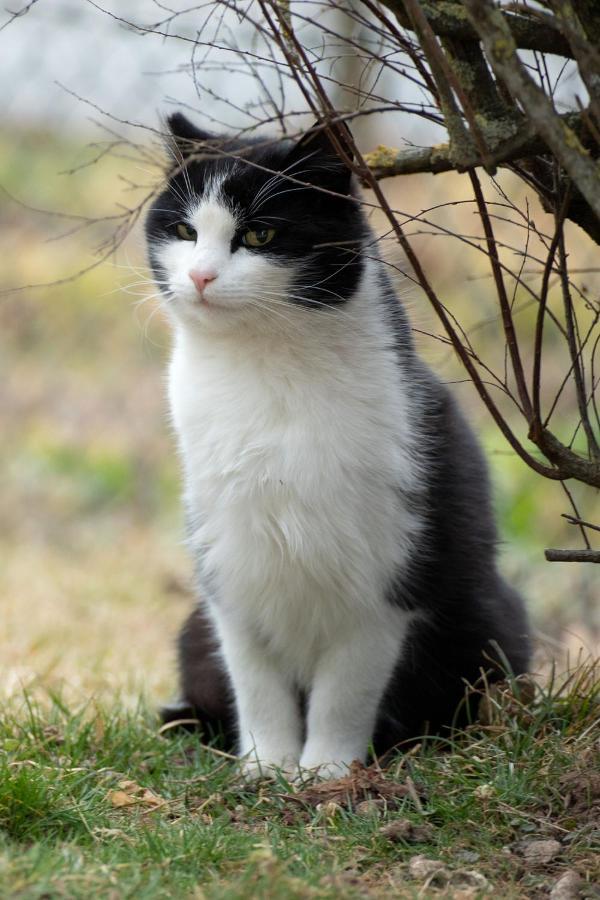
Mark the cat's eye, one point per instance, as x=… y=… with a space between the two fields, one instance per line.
x=185 y=232
x=258 y=237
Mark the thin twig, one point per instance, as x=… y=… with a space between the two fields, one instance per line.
x=574 y=520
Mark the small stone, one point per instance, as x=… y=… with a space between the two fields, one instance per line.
x=421 y=868
x=567 y=887
x=467 y=879
x=405 y=830
x=539 y=853
x=484 y=791
x=369 y=807
x=467 y=856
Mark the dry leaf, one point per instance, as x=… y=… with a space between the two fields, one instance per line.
x=120 y=798
x=130 y=793
x=360 y=784
x=151 y=799
x=131 y=787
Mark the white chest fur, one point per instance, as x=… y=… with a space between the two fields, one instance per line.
x=296 y=453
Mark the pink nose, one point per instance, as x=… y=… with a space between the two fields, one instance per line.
x=201 y=279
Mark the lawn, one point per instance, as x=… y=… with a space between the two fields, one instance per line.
x=97 y=802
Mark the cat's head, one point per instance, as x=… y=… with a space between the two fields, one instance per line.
x=253 y=226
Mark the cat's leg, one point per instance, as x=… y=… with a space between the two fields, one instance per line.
x=347 y=688
x=268 y=711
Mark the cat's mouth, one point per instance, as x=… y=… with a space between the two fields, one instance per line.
x=209 y=304
x=201 y=299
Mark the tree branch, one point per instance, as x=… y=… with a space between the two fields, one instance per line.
x=592 y=556
x=568 y=463
x=586 y=54
x=447 y=19
x=501 y=51
x=385 y=162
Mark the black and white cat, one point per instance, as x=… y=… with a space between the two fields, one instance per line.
x=338 y=504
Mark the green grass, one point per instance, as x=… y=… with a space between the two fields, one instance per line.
x=97 y=803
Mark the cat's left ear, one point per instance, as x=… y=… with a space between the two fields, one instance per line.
x=184 y=137
x=317 y=156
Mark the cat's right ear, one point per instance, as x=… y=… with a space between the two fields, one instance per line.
x=318 y=155
x=183 y=136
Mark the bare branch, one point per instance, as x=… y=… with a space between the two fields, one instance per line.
x=18 y=14
x=501 y=51
x=592 y=556
x=447 y=19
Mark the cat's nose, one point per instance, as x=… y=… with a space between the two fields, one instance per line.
x=201 y=279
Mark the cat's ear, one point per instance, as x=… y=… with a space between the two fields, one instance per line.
x=318 y=157
x=322 y=139
x=184 y=136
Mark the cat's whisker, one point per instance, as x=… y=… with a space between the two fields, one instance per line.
x=179 y=195
x=307 y=304
x=271 y=197
x=131 y=266
x=264 y=307
x=174 y=189
x=146 y=281
x=268 y=219
x=146 y=325
x=186 y=179
x=277 y=176
x=264 y=195
x=305 y=309
x=286 y=172
x=141 y=293
x=182 y=164
x=158 y=295
x=144 y=298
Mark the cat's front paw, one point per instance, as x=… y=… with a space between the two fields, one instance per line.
x=253 y=769
x=325 y=771
x=327 y=760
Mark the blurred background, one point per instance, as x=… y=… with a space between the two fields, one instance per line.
x=94 y=578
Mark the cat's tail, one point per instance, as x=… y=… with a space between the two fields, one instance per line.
x=205 y=704
x=180 y=715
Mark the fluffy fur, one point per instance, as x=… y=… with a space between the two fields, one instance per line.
x=338 y=505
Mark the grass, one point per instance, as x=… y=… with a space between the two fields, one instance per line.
x=95 y=801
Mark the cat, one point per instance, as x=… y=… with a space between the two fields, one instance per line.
x=338 y=504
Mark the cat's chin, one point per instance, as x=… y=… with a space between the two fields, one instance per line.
x=205 y=312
